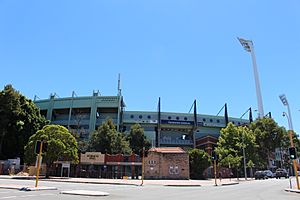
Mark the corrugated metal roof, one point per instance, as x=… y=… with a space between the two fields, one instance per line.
x=167 y=150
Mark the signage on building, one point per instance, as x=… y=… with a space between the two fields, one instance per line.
x=177 y=122
x=65 y=165
x=200 y=124
x=92 y=158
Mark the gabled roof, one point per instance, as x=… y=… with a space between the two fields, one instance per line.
x=167 y=150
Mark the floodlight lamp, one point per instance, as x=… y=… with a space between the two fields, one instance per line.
x=283 y=99
x=246 y=44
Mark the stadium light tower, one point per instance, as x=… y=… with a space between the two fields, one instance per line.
x=248 y=46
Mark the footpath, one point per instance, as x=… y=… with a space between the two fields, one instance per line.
x=135 y=182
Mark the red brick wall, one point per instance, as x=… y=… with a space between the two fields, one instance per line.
x=167 y=166
x=114 y=158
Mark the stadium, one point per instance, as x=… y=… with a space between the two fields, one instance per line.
x=163 y=129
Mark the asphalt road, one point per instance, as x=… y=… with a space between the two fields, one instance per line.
x=261 y=190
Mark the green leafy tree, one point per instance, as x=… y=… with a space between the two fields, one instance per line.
x=82 y=143
x=199 y=161
x=231 y=142
x=61 y=145
x=250 y=164
x=137 y=139
x=268 y=137
x=19 y=119
x=106 y=139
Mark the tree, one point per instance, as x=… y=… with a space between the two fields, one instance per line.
x=199 y=161
x=231 y=142
x=137 y=139
x=19 y=119
x=268 y=137
x=61 y=145
x=106 y=139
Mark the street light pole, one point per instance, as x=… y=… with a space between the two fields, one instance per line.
x=291 y=132
x=248 y=46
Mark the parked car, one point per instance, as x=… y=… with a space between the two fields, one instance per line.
x=281 y=173
x=269 y=174
x=260 y=175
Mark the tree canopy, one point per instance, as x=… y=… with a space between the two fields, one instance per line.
x=231 y=142
x=19 y=119
x=199 y=161
x=61 y=145
x=137 y=139
x=106 y=139
x=268 y=137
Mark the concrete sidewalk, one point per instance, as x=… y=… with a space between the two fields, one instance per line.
x=183 y=183
x=135 y=182
x=292 y=190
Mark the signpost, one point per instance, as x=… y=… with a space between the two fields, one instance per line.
x=67 y=166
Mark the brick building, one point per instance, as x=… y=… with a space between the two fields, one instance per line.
x=167 y=163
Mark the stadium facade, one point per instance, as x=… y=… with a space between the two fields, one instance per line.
x=164 y=129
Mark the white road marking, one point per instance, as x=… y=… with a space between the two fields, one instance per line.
x=9 y=197
x=47 y=194
x=29 y=195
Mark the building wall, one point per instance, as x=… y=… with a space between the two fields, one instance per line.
x=167 y=166
x=85 y=114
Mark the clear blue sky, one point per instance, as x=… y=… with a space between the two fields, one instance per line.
x=176 y=50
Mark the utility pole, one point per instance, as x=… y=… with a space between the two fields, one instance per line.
x=291 y=133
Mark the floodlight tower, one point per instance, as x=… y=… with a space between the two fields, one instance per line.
x=248 y=46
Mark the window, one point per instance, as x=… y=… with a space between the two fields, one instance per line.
x=218 y=121
x=169 y=117
x=149 y=117
x=211 y=120
x=177 y=118
x=185 y=118
x=140 y=116
x=131 y=116
x=204 y=119
x=171 y=171
x=176 y=170
x=152 y=162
